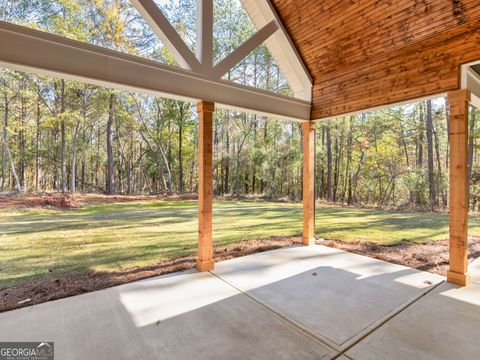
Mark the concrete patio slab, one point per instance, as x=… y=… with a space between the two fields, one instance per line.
x=474 y=270
x=442 y=325
x=337 y=296
x=179 y=316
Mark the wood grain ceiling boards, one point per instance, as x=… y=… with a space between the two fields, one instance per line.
x=363 y=53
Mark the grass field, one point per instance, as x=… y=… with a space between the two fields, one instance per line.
x=121 y=235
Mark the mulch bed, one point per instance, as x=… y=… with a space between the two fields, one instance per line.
x=52 y=287
x=431 y=256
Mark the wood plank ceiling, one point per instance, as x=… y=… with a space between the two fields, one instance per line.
x=365 y=53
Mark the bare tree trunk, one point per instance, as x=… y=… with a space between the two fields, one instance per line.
x=329 y=165
x=322 y=167
x=22 y=136
x=74 y=158
x=97 y=162
x=338 y=162
x=419 y=164
x=240 y=144
x=4 y=138
x=227 y=151
x=83 y=176
x=62 y=141
x=348 y=172
x=420 y=139
x=180 y=149
x=37 y=144
x=12 y=165
x=431 y=174
x=110 y=178
x=447 y=155
x=439 y=163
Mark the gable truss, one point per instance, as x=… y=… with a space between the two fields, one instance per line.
x=198 y=78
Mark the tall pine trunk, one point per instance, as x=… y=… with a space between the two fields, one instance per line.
x=227 y=158
x=110 y=179
x=4 y=138
x=329 y=165
x=62 y=138
x=419 y=164
x=431 y=174
x=180 y=150
x=7 y=151
x=37 y=143
x=73 y=178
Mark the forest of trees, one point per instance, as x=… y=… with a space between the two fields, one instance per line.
x=60 y=135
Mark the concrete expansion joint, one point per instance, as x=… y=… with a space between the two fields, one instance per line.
x=341 y=349
x=392 y=315
x=292 y=322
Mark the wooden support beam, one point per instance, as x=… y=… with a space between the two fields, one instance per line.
x=205 y=252
x=459 y=103
x=308 y=183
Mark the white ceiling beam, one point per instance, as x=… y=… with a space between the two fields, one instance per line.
x=246 y=48
x=167 y=34
x=31 y=50
x=205 y=34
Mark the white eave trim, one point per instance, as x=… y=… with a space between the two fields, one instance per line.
x=281 y=47
x=471 y=81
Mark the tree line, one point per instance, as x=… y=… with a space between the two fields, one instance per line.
x=393 y=157
x=60 y=135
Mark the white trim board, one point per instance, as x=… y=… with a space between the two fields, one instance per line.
x=281 y=47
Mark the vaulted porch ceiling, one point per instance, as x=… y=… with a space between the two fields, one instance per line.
x=364 y=54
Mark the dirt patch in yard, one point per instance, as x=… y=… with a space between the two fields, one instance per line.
x=53 y=287
x=431 y=256
x=60 y=201
x=66 y=201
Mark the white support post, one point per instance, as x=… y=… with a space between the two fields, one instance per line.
x=205 y=35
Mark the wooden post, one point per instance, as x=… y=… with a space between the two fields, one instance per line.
x=205 y=252
x=459 y=102
x=308 y=183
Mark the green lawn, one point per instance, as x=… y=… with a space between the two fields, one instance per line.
x=122 y=235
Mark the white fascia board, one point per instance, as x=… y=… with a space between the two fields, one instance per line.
x=30 y=50
x=471 y=81
x=386 y=106
x=282 y=48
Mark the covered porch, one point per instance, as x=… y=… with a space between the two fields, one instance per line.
x=201 y=80
x=304 y=302
x=299 y=302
